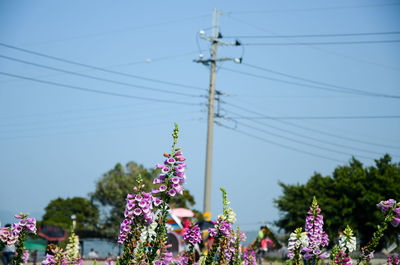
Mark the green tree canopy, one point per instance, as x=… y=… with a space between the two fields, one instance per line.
x=113 y=186
x=58 y=212
x=348 y=197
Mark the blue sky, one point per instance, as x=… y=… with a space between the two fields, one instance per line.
x=57 y=141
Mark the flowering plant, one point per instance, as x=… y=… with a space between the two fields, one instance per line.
x=297 y=241
x=393 y=260
x=70 y=256
x=391 y=210
x=143 y=231
x=192 y=236
x=317 y=238
x=16 y=234
x=249 y=257
x=346 y=244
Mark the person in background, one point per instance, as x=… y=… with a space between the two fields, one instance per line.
x=92 y=254
x=262 y=245
x=8 y=252
x=34 y=257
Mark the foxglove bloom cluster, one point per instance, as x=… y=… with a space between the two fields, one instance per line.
x=347 y=241
x=316 y=236
x=165 y=259
x=72 y=248
x=393 y=260
x=192 y=235
x=172 y=175
x=10 y=235
x=139 y=208
x=17 y=233
x=249 y=257
x=340 y=257
x=222 y=225
x=391 y=210
x=387 y=206
x=230 y=216
x=60 y=257
x=25 y=256
x=148 y=232
x=297 y=241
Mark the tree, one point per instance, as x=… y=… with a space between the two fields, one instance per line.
x=113 y=187
x=58 y=213
x=348 y=197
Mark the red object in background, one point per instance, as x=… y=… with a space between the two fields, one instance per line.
x=52 y=233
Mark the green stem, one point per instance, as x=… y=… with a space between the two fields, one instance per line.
x=190 y=254
x=213 y=250
x=17 y=259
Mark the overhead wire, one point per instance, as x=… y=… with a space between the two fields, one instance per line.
x=95 y=90
x=327 y=35
x=340 y=90
x=96 y=130
x=315 y=130
x=98 y=78
x=72 y=122
x=100 y=68
x=318 y=82
x=304 y=136
x=319 y=117
x=279 y=144
x=358 y=60
x=320 y=43
x=123 y=30
x=313 y=8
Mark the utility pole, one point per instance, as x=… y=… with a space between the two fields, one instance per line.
x=212 y=63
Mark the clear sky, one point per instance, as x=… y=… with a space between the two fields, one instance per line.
x=57 y=138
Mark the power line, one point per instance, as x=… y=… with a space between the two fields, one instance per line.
x=315 y=130
x=97 y=78
x=348 y=57
x=72 y=122
x=302 y=135
x=122 y=30
x=317 y=82
x=301 y=142
x=325 y=87
x=320 y=117
x=280 y=145
x=320 y=43
x=312 y=8
x=314 y=35
x=92 y=130
x=95 y=90
x=100 y=68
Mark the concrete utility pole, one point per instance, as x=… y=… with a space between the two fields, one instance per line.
x=212 y=62
x=210 y=126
